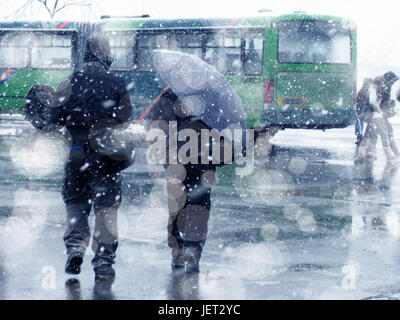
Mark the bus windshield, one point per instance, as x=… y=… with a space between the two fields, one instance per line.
x=313 y=41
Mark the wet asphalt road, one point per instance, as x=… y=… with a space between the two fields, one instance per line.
x=306 y=224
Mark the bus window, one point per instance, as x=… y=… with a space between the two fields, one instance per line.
x=187 y=42
x=146 y=44
x=190 y=43
x=313 y=41
x=51 y=51
x=122 y=50
x=223 y=52
x=253 y=53
x=14 y=50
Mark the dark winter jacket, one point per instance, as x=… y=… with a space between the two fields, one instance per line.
x=168 y=110
x=92 y=98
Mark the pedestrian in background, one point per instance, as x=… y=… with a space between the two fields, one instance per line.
x=378 y=123
x=387 y=106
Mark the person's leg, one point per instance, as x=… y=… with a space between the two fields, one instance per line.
x=77 y=199
x=392 y=142
x=359 y=140
x=76 y=237
x=382 y=132
x=361 y=151
x=107 y=198
x=176 y=196
x=358 y=130
x=188 y=226
x=371 y=138
x=77 y=234
x=105 y=241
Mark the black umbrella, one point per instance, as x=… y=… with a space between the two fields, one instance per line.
x=202 y=89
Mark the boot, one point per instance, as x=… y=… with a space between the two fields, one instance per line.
x=73 y=265
x=104 y=272
x=177 y=259
x=191 y=256
x=186 y=259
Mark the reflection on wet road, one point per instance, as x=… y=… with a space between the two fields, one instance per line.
x=308 y=223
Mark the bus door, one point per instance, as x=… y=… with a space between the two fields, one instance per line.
x=238 y=54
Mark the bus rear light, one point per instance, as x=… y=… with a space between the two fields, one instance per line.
x=268 y=93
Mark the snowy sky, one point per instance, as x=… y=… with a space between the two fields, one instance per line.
x=377 y=21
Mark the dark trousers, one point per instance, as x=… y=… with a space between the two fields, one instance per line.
x=375 y=128
x=89 y=184
x=189 y=203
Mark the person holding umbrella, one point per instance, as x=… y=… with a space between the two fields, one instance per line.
x=197 y=99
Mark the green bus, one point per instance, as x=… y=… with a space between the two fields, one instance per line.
x=291 y=71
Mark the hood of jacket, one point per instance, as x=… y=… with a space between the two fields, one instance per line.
x=98 y=50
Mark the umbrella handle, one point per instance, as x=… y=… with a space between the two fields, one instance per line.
x=144 y=114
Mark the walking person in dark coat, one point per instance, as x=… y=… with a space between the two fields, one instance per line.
x=92 y=99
